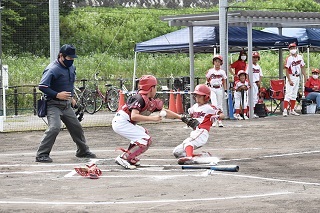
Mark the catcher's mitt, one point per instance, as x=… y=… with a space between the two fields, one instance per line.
x=191 y=122
x=91 y=171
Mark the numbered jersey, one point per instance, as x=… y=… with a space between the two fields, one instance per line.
x=294 y=64
x=205 y=114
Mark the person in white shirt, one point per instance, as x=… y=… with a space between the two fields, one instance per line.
x=295 y=67
x=216 y=80
x=256 y=78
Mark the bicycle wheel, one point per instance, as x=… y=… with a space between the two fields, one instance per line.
x=89 y=102
x=113 y=99
x=99 y=102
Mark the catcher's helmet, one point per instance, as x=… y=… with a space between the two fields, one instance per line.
x=256 y=54
x=292 y=45
x=315 y=70
x=218 y=57
x=241 y=72
x=146 y=82
x=202 y=89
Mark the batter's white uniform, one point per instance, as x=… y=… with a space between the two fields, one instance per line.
x=205 y=114
x=294 y=64
x=215 y=79
x=237 y=95
x=256 y=74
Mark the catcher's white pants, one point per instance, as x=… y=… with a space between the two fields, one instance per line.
x=197 y=139
x=121 y=124
x=216 y=96
x=238 y=100
x=292 y=91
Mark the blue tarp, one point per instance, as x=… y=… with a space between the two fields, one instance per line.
x=305 y=36
x=206 y=38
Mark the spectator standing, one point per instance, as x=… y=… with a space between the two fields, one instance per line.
x=295 y=67
x=216 y=80
x=238 y=65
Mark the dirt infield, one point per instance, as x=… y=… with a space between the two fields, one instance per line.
x=279 y=161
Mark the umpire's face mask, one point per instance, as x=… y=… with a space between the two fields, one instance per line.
x=68 y=63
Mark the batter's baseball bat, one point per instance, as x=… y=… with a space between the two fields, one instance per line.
x=225 y=168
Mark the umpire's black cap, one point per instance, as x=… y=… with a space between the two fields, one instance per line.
x=69 y=50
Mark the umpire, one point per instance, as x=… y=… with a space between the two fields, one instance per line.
x=57 y=84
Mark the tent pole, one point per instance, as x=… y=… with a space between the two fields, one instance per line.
x=223 y=41
x=134 y=71
x=249 y=32
x=191 y=58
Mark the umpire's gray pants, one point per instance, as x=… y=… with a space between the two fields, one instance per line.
x=58 y=111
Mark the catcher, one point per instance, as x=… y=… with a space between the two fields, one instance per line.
x=201 y=116
x=138 y=108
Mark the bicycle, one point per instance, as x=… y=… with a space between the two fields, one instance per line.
x=110 y=99
x=84 y=99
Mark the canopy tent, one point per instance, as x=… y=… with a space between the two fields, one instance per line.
x=305 y=36
x=207 y=37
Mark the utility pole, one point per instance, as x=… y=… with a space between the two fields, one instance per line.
x=1 y=83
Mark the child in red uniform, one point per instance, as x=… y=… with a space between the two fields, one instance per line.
x=138 y=108
x=238 y=65
x=312 y=88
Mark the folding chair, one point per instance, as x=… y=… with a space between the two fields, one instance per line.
x=277 y=93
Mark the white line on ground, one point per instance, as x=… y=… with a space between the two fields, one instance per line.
x=274 y=156
x=149 y=201
x=263 y=178
x=112 y=150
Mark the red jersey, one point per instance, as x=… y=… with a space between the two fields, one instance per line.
x=237 y=66
x=312 y=84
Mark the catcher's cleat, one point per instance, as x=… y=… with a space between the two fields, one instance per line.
x=91 y=171
x=124 y=163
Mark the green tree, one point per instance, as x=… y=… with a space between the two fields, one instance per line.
x=25 y=25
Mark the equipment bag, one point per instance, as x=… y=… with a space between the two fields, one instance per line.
x=42 y=107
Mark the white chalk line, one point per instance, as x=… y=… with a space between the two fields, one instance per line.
x=263 y=178
x=113 y=150
x=273 y=156
x=149 y=201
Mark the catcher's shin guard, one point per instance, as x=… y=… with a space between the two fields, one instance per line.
x=135 y=150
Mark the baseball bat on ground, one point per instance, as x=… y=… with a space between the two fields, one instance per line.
x=224 y=168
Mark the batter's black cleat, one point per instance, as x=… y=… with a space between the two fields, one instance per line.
x=86 y=155
x=44 y=159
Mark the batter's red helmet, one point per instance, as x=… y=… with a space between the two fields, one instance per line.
x=256 y=54
x=218 y=57
x=202 y=89
x=292 y=45
x=146 y=82
x=241 y=72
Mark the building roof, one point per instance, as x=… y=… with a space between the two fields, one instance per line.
x=242 y=17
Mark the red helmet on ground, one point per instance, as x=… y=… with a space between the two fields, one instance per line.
x=218 y=57
x=315 y=70
x=256 y=54
x=241 y=72
x=292 y=45
x=202 y=89
x=146 y=82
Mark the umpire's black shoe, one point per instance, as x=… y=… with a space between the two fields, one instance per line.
x=86 y=155
x=44 y=159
